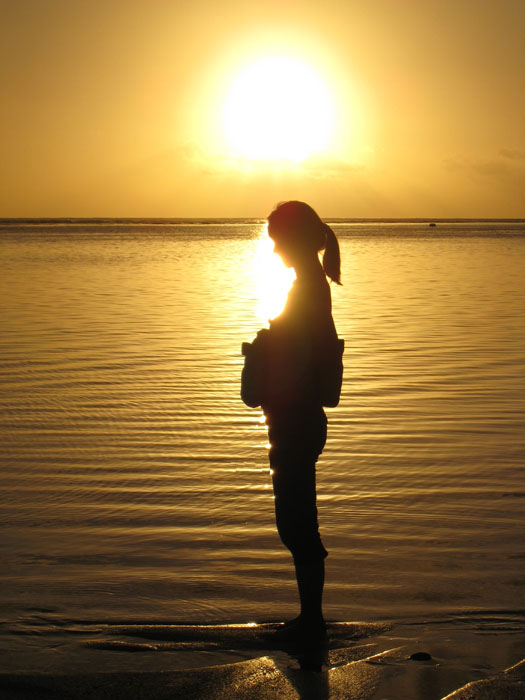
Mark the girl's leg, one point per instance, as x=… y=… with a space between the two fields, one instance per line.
x=293 y=475
x=296 y=516
x=310 y=582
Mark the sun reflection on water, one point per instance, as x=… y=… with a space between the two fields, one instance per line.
x=272 y=279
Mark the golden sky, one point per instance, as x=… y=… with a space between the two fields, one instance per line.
x=409 y=108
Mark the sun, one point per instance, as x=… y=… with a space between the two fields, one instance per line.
x=278 y=108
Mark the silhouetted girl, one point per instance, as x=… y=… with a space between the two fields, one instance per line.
x=292 y=370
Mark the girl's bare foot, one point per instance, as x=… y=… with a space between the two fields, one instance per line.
x=302 y=630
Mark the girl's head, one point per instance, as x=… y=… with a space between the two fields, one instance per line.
x=297 y=231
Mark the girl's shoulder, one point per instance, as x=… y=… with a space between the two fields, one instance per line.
x=308 y=312
x=311 y=296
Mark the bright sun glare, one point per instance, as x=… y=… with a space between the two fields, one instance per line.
x=278 y=108
x=272 y=279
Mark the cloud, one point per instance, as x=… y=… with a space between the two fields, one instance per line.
x=504 y=169
x=325 y=167
x=512 y=154
x=218 y=165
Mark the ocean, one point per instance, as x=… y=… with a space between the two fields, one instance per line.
x=135 y=483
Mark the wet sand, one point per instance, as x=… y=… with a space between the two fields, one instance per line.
x=361 y=661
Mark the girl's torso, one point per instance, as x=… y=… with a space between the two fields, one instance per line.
x=300 y=338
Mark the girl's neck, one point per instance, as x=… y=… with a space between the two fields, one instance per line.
x=308 y=268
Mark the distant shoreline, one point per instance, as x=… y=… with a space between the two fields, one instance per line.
x=242 y=220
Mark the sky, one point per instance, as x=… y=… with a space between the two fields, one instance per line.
x=130 y=108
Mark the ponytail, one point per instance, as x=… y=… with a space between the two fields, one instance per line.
x=332 y=256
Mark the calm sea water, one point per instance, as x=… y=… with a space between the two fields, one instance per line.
x=135 y=484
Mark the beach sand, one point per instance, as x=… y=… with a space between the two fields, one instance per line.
x=361 y=661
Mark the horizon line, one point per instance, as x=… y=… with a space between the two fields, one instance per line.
x=168 y=219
